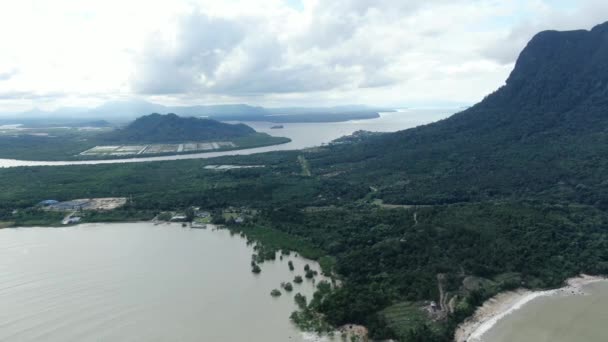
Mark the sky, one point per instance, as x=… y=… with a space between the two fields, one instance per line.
x=400 y=53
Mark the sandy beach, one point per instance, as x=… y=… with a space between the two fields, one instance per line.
x=503 y=304
x=346 y=331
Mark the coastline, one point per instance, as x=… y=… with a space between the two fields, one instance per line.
x=505 y=303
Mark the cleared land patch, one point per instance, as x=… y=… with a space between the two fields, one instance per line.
x=122 y=150
x=108 y=203
x=230 y=167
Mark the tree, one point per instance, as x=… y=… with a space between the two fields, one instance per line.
x=288 y=287
x=300 y=300
x=190 y=214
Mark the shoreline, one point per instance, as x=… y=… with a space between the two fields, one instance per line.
x=505 y=303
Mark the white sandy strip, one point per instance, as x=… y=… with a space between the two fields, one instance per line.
x=503 y=304
x=314 y=337
x=521 y=300
x=349 y=329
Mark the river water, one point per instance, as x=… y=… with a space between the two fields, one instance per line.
x=303 y=135
x=141 y=282
x=557 y=318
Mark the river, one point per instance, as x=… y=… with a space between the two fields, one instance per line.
x=557 y=318
x=302 y=135
x=141 y=282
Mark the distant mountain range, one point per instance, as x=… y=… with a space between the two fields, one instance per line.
x=545 y=131
x=124 y=111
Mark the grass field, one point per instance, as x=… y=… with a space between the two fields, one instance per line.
x=6 y=224
x=406 y=316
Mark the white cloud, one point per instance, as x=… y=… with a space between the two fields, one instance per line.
x=267 y=52
x=8 y=74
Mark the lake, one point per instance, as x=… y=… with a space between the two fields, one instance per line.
x=557 y=318
x=303 y=135
x=141 y=282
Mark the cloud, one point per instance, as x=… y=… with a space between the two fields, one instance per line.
x=190 y=58
x=27 y=95
x=279 y=52
x=235 y=57
x=344 y=44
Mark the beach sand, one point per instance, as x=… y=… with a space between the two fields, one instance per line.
x=347 y=331
x=505 y=303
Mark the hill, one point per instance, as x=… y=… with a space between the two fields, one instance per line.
x=157 y=128
x=542 y=133
x=510 y=192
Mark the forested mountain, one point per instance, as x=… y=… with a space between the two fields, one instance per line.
x=545 y=131
x=514 y=186
x=172 y=128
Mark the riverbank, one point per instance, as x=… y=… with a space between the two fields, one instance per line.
x=503 y=304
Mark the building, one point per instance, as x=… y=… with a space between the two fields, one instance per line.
x=72 y=220
x=203 y=214
x=179 y=218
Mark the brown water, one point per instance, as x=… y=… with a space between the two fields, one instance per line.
x=302 y=135
x=140 y=282
x=557 y=318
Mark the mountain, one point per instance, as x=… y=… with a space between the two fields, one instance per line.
x=120 y=111
x=560 y=81
x=543 y=132
x=512 y=192
x=172 y=128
